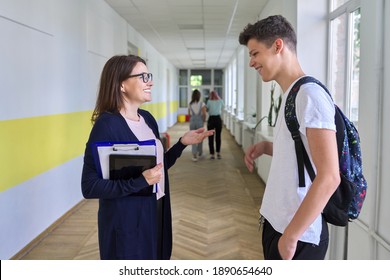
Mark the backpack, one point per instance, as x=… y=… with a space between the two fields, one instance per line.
x=347 y=201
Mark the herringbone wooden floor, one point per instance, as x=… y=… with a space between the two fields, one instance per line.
x=214 y=209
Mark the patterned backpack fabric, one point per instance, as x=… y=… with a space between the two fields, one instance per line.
x=347 y=201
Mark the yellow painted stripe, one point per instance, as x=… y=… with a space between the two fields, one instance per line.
x=31 y=146
x=159 y=110
x=174 y=106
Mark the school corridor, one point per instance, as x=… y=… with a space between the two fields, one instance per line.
x=214 y=209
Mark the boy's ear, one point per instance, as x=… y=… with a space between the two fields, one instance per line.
x=278 y=45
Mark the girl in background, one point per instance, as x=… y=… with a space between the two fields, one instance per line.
x=214 y=107
x=197 y=113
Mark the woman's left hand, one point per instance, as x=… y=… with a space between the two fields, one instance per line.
x=195 y=136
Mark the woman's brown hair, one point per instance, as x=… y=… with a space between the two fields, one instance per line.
x=115 y=71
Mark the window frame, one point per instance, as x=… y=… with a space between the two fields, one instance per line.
x=347 y=9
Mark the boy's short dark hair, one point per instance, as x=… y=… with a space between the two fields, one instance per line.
x=268 y=30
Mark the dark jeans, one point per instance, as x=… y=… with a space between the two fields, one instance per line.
x=215 y=122
x=304 y=251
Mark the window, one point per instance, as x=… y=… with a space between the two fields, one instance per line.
x=218 y=75
x=183 y=88
x=204 y=80
x=196 y=80
x=183 y=97
x=204 y=74
x=183 y=77
x=345 y=56
x=337 y=3
x=355 y=62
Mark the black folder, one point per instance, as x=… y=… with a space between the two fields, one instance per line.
x=127 y=166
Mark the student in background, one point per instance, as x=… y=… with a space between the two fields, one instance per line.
x=293 y=225
x=214 y=107
x=131 y=225
x=197 y=113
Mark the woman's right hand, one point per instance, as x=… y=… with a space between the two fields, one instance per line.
x=153 y=175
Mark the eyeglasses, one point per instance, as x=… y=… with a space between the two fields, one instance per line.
x=146 y=77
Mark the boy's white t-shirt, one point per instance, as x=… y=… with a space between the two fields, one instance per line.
x=282 y=196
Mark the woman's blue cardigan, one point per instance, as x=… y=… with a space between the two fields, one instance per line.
x=127 y=223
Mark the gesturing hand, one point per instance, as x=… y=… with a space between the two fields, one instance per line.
x=153 y=175
x=195 y=136
x=256 y=150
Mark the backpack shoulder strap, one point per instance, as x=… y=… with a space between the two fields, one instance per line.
x=339 y=116
x=293 y=126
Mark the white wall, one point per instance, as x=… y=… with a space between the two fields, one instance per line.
x=52 y=53
x=312 y=33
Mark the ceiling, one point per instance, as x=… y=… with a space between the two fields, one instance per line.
x=191 y=33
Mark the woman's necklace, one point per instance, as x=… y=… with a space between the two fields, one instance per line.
x=132 y=118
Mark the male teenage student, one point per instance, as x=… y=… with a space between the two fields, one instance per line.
x=293 y=225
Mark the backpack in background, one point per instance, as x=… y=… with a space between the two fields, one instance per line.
x=347 y=201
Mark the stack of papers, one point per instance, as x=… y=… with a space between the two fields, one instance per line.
x=124 y=160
